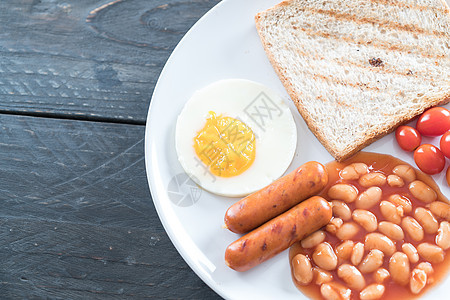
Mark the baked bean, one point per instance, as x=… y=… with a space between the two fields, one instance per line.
x=372 y=292
x=395 y=181
x=365 y=219
x=422 y=191
x=381 y=275
x=443 y=236
x=406 y=172
x=341 y=210
x=399 y=268
x=372 y=179
x=321 y=276
x=347 y=231
x=349 y=173
x=411 y=252
x=391 y=212
x=440 y=210
x=357 y=253
x=344 y=192
x=402 y=201
x=428 y=268
x=335 y=291
x=431 y=253
x=426 y=219
x=418 y=280
x=391 y=230
x=369 y=198
x=351 y=276
x=379 y=241
x=354 y=171
x=372 y=261
x=344 y=251
x=313 y=239
x=302 y=269
x=334 y=225
x=412 y=228
x=324 y=256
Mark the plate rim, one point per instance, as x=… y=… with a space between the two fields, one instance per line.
x=147 y=153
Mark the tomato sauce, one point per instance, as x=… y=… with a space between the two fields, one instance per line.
x=384 y=164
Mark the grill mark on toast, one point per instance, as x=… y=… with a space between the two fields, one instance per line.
x=392 y=3
x=345 y=62
x=342 y=82
x=385 y=23
x=339 y=81
x=377 y=44
x=398 y=4
x=384 y=70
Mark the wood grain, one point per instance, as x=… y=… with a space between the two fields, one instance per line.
x=77 y=221
x=68 y=170
x=88 y=59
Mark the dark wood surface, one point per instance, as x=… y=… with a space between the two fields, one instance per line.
x=77 y=219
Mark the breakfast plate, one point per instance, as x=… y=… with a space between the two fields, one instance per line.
x=224 y=44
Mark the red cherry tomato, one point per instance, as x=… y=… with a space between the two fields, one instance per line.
x=429 y=159
x=434 y=122
x=445 y=144
x=408 y=138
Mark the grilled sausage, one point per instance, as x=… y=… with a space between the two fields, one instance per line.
x=271 y=201
x=278 y=234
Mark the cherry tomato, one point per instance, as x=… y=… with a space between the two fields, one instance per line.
x=434 y=122
x=429 y=159
x=408 y=138
x=445 y=144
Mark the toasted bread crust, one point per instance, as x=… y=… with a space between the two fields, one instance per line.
x=371 y=134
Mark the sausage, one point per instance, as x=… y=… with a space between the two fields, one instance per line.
x=271 y=201
x=278 y=234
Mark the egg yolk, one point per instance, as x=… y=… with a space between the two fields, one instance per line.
x=226 y=145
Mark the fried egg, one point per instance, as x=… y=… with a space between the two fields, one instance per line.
x=234 y=137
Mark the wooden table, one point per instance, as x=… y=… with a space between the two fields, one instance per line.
x=77 y=218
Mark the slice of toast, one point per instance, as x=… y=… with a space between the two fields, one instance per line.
x=358 y=69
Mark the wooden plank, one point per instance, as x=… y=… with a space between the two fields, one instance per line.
x=88 y=59
x=49 y=259
x=67 y=171
x=77 y=220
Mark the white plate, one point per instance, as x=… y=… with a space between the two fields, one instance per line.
x=224 y=44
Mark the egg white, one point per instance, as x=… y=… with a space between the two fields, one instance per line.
x=260 y=109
